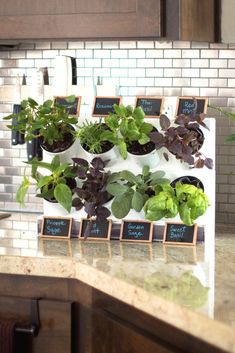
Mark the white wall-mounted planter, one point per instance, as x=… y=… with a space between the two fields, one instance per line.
x=151 y=159
x=110 y=155
x=54 y=209
x=65 y=156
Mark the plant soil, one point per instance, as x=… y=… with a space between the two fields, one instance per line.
x=188 y=179
x=59 y=146
x=140 y=150
x=105 y=145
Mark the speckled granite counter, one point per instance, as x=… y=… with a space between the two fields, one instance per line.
x=175 y=284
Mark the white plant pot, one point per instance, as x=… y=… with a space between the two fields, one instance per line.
x=65 y=156
x=151 y=159
x=110 y=155
x=54 y=209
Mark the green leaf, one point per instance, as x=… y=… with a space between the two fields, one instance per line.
x=128 y=176
x=121 y=205
x=137 y=201
x=146 y=128
x=55 y=163
x=230 y=138
x=70 y=99
x=116 y=189
x=22 y=191
x=185 y=215
x=63 y=195
x=143 y=139
x=44 y=181
x=122 y=149
x=124 y=127
x=145 y=170
x=113 y=177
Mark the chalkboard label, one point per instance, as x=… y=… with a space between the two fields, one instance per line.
x=138 y=231
x=95 y=230
x=186 y=105
x=152 y=106
x=56 y=227
x=73 y=108
x=104 y=105
x=180 y=234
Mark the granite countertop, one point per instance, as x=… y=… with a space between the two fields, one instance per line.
x=179 y=285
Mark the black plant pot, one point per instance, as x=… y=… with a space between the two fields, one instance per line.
x=17 y=138
x=188 y=179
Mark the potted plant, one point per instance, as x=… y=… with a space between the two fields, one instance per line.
x=129 y=131
x=183 y=139
x=49 y=122
x=132 y=191
x=93 y=142
x=187 y=200
x=91 y=194
x=57 y=187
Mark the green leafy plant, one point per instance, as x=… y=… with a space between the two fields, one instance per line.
x=163 y=205
x=193 y=202
x=127 y=125
x=56 y=187
x=183 y=139
x=187 y=200
x=49 y=121
x=132 y=191
x=91 y=137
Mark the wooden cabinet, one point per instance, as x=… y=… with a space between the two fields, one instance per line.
x=55 y=324
x=108 y=19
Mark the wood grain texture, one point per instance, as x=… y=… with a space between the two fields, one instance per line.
x=81 y=19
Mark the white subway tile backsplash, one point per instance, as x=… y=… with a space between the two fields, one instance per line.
x=231 y=82
x=19 y=54
x=84 y=53
x=76 y=45
x=119 y=72
x=218 y=82
x=231 y=63
x=169 y=91
x=41 y=45
x=199 y=82
x=136 y=72
x=212 y=54
x=227 y=54
x=172 y=72
x=173 y=53
x=145 y=62
x=111 y=62
x=181 y=45
x=110 y=45
x=163 y=62
x=128 y=44
x=162 y=82
x=154 y=72
x=227 y=73
x=181 y=82
x=163 y=45
x=127 y=62
x=128 y=81
x=190 y=53
x=59 y=45
x=34 y=54
x=190 y=92
x=102 y=53
x=154 y=53
x=190 y=73
x=67 y=52
x=148 y=82
x=208 y=72
x=208 y=92
x=218 y=63
x=199 y=45
x=181 y=63
x=92 y=63
x=199 y=62
x=138 y=53
x=80 y=63
x=50 y=54
x=122 y=53
x=136 y=91
x=93 y=45
x=104 y=72
x=226 y=92
x=145 y=44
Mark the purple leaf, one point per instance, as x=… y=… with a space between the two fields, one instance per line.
x=98 y=163
x=90 y=208
x=164 y=122
x=80 y=161
x=199 y=163
x=209 y=163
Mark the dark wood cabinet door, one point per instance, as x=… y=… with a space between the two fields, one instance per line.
x=55 y=319
x=114 y=335
x=91 y=19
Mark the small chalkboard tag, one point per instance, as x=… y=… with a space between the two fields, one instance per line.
x=104 y=105
x=137 y=231
x=92 y=229
x=73 y=108
x=152 y=106
x=186 y=105
x=56 y=227
x=180 y=234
